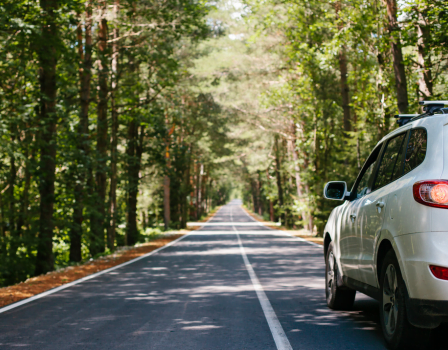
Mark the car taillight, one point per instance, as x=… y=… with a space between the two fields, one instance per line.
x=439 y=272
x=433 y=193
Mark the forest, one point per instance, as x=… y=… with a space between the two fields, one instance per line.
x=123 y=118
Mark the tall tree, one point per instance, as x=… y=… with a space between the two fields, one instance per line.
x=97 y=220
x=48 y=57
x=397 y=53
x=112 y=213
x=83 y=144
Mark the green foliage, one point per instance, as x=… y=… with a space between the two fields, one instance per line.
x=145 y=62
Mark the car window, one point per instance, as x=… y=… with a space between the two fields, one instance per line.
x=362 y=187
x=391 y=166
x=416 y=150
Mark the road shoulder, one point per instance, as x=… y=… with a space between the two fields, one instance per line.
x=296 y=233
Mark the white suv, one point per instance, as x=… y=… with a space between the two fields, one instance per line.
x=389 y=239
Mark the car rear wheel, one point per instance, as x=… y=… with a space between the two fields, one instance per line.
x=398 y=332
x=337 y=298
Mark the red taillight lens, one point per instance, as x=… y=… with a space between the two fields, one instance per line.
x=439 y=272
x=439 y=193
x=433 y=193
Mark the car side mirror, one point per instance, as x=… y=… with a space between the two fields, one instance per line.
x=336 y=190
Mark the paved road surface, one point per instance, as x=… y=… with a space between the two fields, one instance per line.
x=223 y=287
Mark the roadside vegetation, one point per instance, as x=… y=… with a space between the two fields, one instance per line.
x=123 y=119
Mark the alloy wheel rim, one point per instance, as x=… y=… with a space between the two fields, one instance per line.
x=390 y=303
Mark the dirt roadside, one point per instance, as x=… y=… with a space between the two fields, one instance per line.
x=296 y=233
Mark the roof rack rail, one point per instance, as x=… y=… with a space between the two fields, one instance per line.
x=403 y=119
x=430 y=107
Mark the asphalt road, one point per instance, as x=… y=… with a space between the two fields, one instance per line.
x=223 y=287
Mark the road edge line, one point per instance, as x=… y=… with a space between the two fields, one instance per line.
x=86 y=278
x=285 y=233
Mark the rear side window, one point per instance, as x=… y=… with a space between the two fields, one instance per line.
x=391 y=166
x=416 y=150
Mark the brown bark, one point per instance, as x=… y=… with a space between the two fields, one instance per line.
x=271 y=211
x=343 y=69
x=186 y=190
x=112 y=213
x=12 y=183
x=345 y=91
x=97 y=244
x=199 y=191
x=83 y=146
x=425 y=82
x=23 y=221
x=134 y=152
x=47 y=54
x=166 y=201
x=23 y=216
x=2 y=224
x=278 y=176
x=398 y=63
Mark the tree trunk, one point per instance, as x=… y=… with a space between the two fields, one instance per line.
x=185 y=206
x=12 y=184
x=345 y=91
x=47 y=54
x=23 y=216
x=112 y=213
x=135 y=149
x=424 y=59
x=97 y=245
x=279 y=178
x=83 y=145
x=166 y=201
x=400 y=74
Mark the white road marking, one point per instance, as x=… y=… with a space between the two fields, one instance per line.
x=280 y=338
x=286 y=233
x=218 y=223
x=68 y=285
x=226 y=232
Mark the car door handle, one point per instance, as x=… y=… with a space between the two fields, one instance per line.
x=380 y=204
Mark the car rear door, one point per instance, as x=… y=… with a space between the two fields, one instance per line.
x=373 y=207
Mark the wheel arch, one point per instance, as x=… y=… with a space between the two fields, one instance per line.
x=383 y=248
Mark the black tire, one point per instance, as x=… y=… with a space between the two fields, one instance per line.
x=337 y=298
x=397 y=331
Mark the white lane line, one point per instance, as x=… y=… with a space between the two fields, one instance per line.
x=280 y=338
x=286 y=233
x=68 y=285
x=243 y=232
x=225 y=223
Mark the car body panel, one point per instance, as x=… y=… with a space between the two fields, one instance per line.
x=370 y=225
x=349 y=240
x=418 y=251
